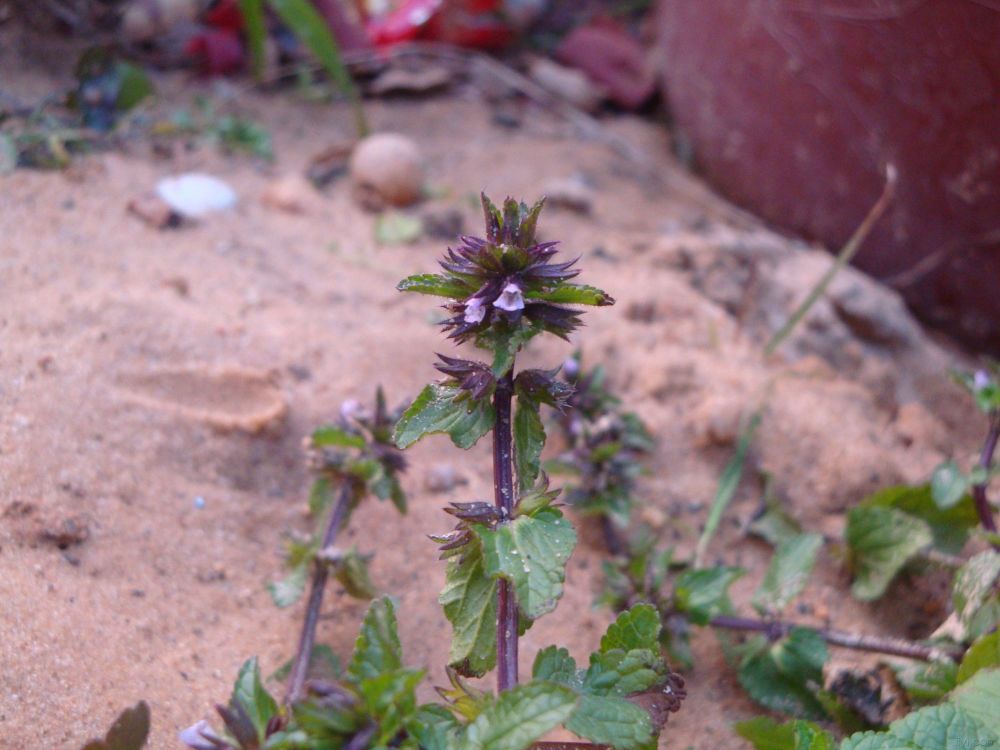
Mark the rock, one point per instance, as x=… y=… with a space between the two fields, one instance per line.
x=194 y=195
x=397 y=80
x=155 y=212
x=387 y=169
x=569 y=192
x=571 y=84
x=291 y=193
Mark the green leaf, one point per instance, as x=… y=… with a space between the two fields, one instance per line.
x=926 y=682
x=519 y=717
x=529 y=439
x=310 y=28
x=319 y=497
x=728 y=483
x=134 y=85
x=950 y=527
x=531 y=553
x=436 y=284
x=881 y=541
x=948 y=485
x=638 y=627
x=784 y=676
x=611 y=721
x=788 y=572
x=983 y=654
x=973 y=585
x=572 y=294
x=876 y=741
x=391 y=700
x=767 y=734
x=377 y=649
x=704 y=593
x=286 y=592
x=351 y=570
x=256 y=33
x=809 y=736
x=433 y=726
x=555 y=665
x=979 y=697
x=469 y=601
x=397 y=228
x=944 y=727
x=435 y=410
x=129 y=731
x=505 y=342
x=336 y=437
x=775 y=526
x=250 y=693
x=619 y=672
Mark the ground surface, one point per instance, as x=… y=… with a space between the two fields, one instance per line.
x=142 y=516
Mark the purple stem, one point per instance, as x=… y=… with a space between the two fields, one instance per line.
x=775 y=629
x=503 y=496
x=321 y=571
x=979 y=490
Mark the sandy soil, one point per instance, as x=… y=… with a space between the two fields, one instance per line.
x=155 y=386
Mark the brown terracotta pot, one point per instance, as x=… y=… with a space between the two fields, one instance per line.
x=793 y=106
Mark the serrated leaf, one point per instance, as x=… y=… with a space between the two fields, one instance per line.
x=950 y=527
x=529 y=439
x=285 y=592
x=531 y=553
x=809 y=736
x=572 y=294
x=979 y=697
x=128 y=732
x=249 y=692
x=336 y=437
x=973 y=584
x=876 y=741
x=618 y=672
x=435 y=410
x=429 y=283
x=351 y=570
x=944 y=727
x=433 y=726
x=983 y=654
x=377 y=648
x=555 y=665
x=519 y=717
x=469 y=601
x=704 y=593
x=948 y=485
x=787 y=572
x=611 y=721
x=926 y=682
x=391 y=700
x=638 y=627
x=881 y=541
x=783 y=677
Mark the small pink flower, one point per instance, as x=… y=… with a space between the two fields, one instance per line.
x=511 y=299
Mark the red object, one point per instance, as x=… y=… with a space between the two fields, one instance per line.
x=612 y=58
x=793 y=106
x=465 y=23
x=225 y=14
x=216 y=51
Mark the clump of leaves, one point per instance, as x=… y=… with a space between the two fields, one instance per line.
x=506 y=561
x=605 y=447
x=231 y=132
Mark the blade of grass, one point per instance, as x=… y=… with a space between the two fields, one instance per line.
x=728 y=483
x=308 y=26
x=844 y=257
x=253 y=17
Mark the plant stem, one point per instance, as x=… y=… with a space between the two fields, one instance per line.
x=503 y=496
x=979 y=490
x=775 y=629
x=321 y=571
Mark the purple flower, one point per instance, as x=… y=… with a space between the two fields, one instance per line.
x=511 y=299
x=201 y=737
